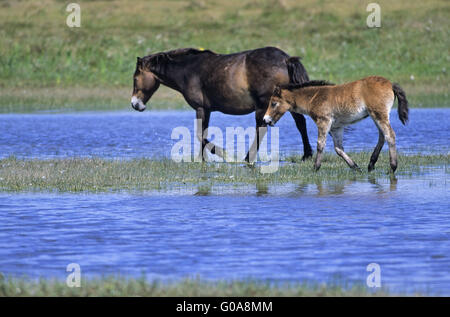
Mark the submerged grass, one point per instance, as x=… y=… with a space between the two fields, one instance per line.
x=103 y=175
x=45 y=65
x=189 y=287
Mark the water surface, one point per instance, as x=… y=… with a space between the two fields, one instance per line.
x=291 y=232
x=148 y=134
x=317 y=232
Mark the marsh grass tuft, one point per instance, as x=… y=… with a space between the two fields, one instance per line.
x=103 y=175
x=188 y=287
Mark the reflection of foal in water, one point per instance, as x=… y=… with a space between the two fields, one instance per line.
x=332 y=107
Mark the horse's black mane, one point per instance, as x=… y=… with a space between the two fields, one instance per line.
x=158 y=61
x=187 y=51
x=310 y=83
x=173 y=54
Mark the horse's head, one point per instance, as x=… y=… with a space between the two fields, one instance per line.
x=145 y=84
x=277 y=107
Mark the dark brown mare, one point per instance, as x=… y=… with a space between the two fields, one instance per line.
x=235 y=84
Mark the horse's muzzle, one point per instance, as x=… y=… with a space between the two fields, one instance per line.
x=137 y=104
x=138 y=108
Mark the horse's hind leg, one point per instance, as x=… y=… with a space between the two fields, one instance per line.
x=377 y=150
x=300 y=122
x=337 y=135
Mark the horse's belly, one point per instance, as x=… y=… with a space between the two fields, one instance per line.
x=238 y=103
x=237 y=108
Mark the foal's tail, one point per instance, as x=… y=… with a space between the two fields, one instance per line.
x=403 y=110
x=297 y=73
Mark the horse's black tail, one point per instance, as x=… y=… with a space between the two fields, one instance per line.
x=297 y=73
x=403 y=111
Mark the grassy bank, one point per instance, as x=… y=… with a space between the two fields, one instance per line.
x=100 y=175
x=113 y=286
x=45 y=65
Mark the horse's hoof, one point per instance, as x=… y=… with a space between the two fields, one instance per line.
x=307 y=156
x=371 y=167
x=250 y=164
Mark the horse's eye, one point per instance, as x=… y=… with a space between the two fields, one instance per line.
x=274 y=104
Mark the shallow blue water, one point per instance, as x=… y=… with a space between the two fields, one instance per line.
x=148 y=134
x=297 y=232
x=294 y=232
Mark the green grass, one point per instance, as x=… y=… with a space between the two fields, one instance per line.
x=45 y=65
x=102 y=175
x=120 y=286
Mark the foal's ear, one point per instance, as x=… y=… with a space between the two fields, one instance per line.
x=139 y=60
x=277 y=91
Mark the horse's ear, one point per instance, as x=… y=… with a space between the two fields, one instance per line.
x=139 y=63
x=277 y=91
x=294 y=59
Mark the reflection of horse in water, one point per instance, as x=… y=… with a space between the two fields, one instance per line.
x=235 y=84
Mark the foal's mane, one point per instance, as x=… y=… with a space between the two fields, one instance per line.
x=310 y=83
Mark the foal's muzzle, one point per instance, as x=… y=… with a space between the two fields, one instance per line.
x=268 y=120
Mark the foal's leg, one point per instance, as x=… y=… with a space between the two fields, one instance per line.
x=382 y=121
x=377 y=150
x=337 y=135
x=389 y=134
x=323 y=126
x=300 y=122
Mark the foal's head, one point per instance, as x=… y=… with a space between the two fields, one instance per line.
x=277 y=107
x=286 y=97
x=144 y=85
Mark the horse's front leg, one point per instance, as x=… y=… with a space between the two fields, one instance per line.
x=259 y=135
x=300 y=122
x=203 y=116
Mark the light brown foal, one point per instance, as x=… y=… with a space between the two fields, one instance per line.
x=332 y=107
